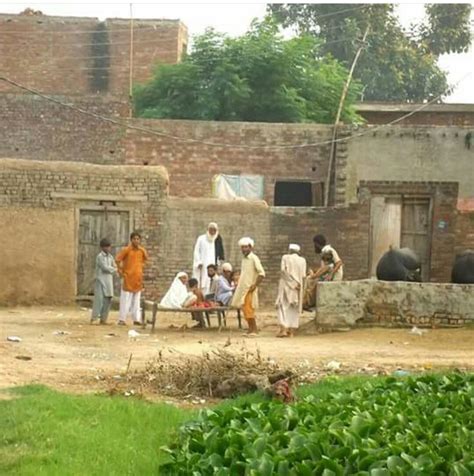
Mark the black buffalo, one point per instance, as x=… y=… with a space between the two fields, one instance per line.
x=463 y=268
x=399 y=265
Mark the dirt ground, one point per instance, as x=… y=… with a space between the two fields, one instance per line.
x=61 y=349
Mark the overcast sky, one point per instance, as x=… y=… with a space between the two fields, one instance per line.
x=234 y=18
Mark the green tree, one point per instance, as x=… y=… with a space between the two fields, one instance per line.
x=259 y=76
x=396 y=65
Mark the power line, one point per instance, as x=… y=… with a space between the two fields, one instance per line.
x=224 y=145
x=68 y=31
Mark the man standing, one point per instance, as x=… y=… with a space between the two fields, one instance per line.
x=209 y=249
x=251 y=275
x=289 y=301
x=104 y=282
x=335 y=274
x=130 y=262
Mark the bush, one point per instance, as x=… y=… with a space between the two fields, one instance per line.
x=422 y=425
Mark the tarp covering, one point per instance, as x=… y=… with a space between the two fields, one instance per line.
x=233 y=187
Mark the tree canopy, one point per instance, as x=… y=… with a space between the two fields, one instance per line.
x=259 y=76
x=396 y=65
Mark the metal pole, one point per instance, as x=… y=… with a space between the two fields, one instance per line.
x=338 y=115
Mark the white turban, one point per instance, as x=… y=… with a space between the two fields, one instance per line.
x=246 y=241
x=182 y=274
x=212 y=225
x=226 y=267
x=294 y=247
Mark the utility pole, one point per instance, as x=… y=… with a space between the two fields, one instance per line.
x=130 y=92
x=338 y=115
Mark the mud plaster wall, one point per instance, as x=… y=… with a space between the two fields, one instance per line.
x=38 y=264
x=45 y=194
x=368 y=301
x=416 y=153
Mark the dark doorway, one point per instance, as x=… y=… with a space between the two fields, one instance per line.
x=293 y=194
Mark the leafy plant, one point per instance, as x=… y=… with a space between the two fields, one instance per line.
x=396 y=65
x=259 y=76
x=417 y=426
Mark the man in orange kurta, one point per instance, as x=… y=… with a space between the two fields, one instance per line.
x=130 y=263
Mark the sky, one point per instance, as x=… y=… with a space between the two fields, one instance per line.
x=234 y=18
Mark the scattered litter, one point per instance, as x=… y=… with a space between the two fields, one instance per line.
x=110 y=334
x=117 y=377
x=85 y=309
x=60 y=314
x=61 y=333
x=333 y=365
x=14 y=339
x=23 y=357
x=400 y=373
x=418 y=332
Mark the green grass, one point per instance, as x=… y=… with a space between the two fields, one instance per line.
x=44 y=432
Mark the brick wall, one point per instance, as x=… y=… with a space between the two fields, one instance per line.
x=69 y=55
x=272 y=229
x=371 y=302
x=31 y=128
x=464 y=231
x=192 y=165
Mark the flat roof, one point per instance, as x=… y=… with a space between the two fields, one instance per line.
x=408 y=107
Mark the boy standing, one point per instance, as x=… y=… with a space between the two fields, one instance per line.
x=130 y=262
x=104 y=282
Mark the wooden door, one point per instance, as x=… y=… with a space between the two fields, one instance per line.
x=93 y=226
x=385 y=227
x=416 y=230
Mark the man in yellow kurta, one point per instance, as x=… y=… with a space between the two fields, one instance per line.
x=130 y=263
x=251 y=275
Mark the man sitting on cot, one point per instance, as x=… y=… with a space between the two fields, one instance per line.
x=225 y=286
x=179 y=297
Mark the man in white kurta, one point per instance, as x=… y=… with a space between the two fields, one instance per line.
x=204 y=255
x=289 y=301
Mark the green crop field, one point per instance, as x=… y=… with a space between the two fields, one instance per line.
x=353 y=425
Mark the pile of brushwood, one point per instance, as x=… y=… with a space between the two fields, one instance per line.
x=411 y=426
x=218 y=373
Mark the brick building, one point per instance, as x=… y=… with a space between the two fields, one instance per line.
x=81 y=56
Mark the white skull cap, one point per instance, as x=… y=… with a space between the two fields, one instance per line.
x=226 y=267
x=246 y=241
x=294 y=247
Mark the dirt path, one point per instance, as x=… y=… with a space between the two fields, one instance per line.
x=74 y=360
